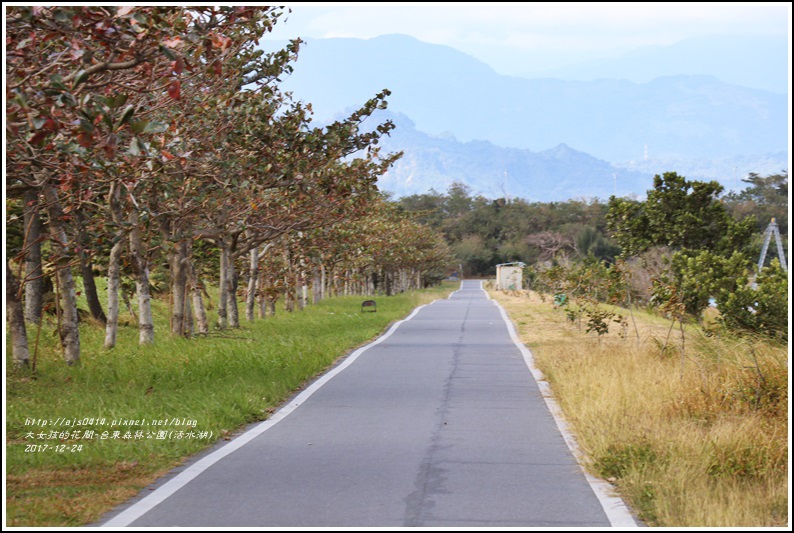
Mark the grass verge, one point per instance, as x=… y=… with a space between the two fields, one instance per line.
x=193 y=391
x=693 y=440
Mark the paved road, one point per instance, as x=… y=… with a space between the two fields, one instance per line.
x=440 y=424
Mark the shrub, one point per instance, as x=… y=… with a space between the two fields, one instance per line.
x=761 y=308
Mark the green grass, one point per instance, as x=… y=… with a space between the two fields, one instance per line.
x=221 y=382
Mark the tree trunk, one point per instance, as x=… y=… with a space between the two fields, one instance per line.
x=34 y=282
x=262 y=297
x=323 y=281
x=114 y=280
x=140 y=267
x=231 y=292
x=180 y=310
x=89 y=287
x=16 y=322
x=301 y=290
x=114 y=270
x=223 y=285
x=289 y=304
x=253 y=279
x=316 y=286
x=87 y=271
x=125 y=296
x=69 y=332
x=198 y=301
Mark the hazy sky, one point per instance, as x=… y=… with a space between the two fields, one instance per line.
x=521 y=38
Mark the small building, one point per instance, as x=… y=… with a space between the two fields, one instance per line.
x=509 y=276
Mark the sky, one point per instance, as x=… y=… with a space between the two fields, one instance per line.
x=533 y=37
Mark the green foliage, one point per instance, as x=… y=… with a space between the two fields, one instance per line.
x=678 y=213
x=739 y=463
x=762 y=309
x=712 y=249
x=629 y=226
x=598 y=320
x=591 y=242
x=620 y=459
x=472 y=251
x=699 y=275
x=502 y=231
x=766 y=197
x=581 y=288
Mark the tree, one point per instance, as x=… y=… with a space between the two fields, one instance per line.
x=700 y=275
x=590 y=241
x=706 y=242
x=550 y=244
x=474 y=255
x=761 y=309
x=765 y=197
x=81 y=81
x=677 y=213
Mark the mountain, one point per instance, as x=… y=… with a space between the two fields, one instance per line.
x=729 y=171
x=441 y=89
x=557 y=174
x=747 y=60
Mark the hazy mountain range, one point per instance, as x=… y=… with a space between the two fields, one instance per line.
x=556 y=174
x=746 y=60
x=493 y=171
x=550 y=135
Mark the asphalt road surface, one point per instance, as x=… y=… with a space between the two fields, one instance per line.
x=439 y=424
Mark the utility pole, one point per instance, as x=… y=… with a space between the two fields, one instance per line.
x=770 y=230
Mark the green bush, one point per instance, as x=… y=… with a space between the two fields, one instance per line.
x=761 y=308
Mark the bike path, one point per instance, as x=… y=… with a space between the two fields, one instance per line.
x=438 y=424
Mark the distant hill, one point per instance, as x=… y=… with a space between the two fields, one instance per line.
x=492 y=171
x=557 y=174
x=441 y=89
x=755 y=61
x=729 y=171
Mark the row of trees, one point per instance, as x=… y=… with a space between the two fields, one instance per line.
x=143 y=136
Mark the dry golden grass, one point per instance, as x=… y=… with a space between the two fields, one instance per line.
x=695 y=441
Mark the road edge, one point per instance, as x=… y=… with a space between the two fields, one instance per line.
x=618 y=513
x=139 y=508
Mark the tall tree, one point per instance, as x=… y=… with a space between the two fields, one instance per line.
x=81 y=80
x=678 y=213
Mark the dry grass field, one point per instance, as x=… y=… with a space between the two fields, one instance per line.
x=697 y=437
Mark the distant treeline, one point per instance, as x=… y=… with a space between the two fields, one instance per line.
x=485 y=232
